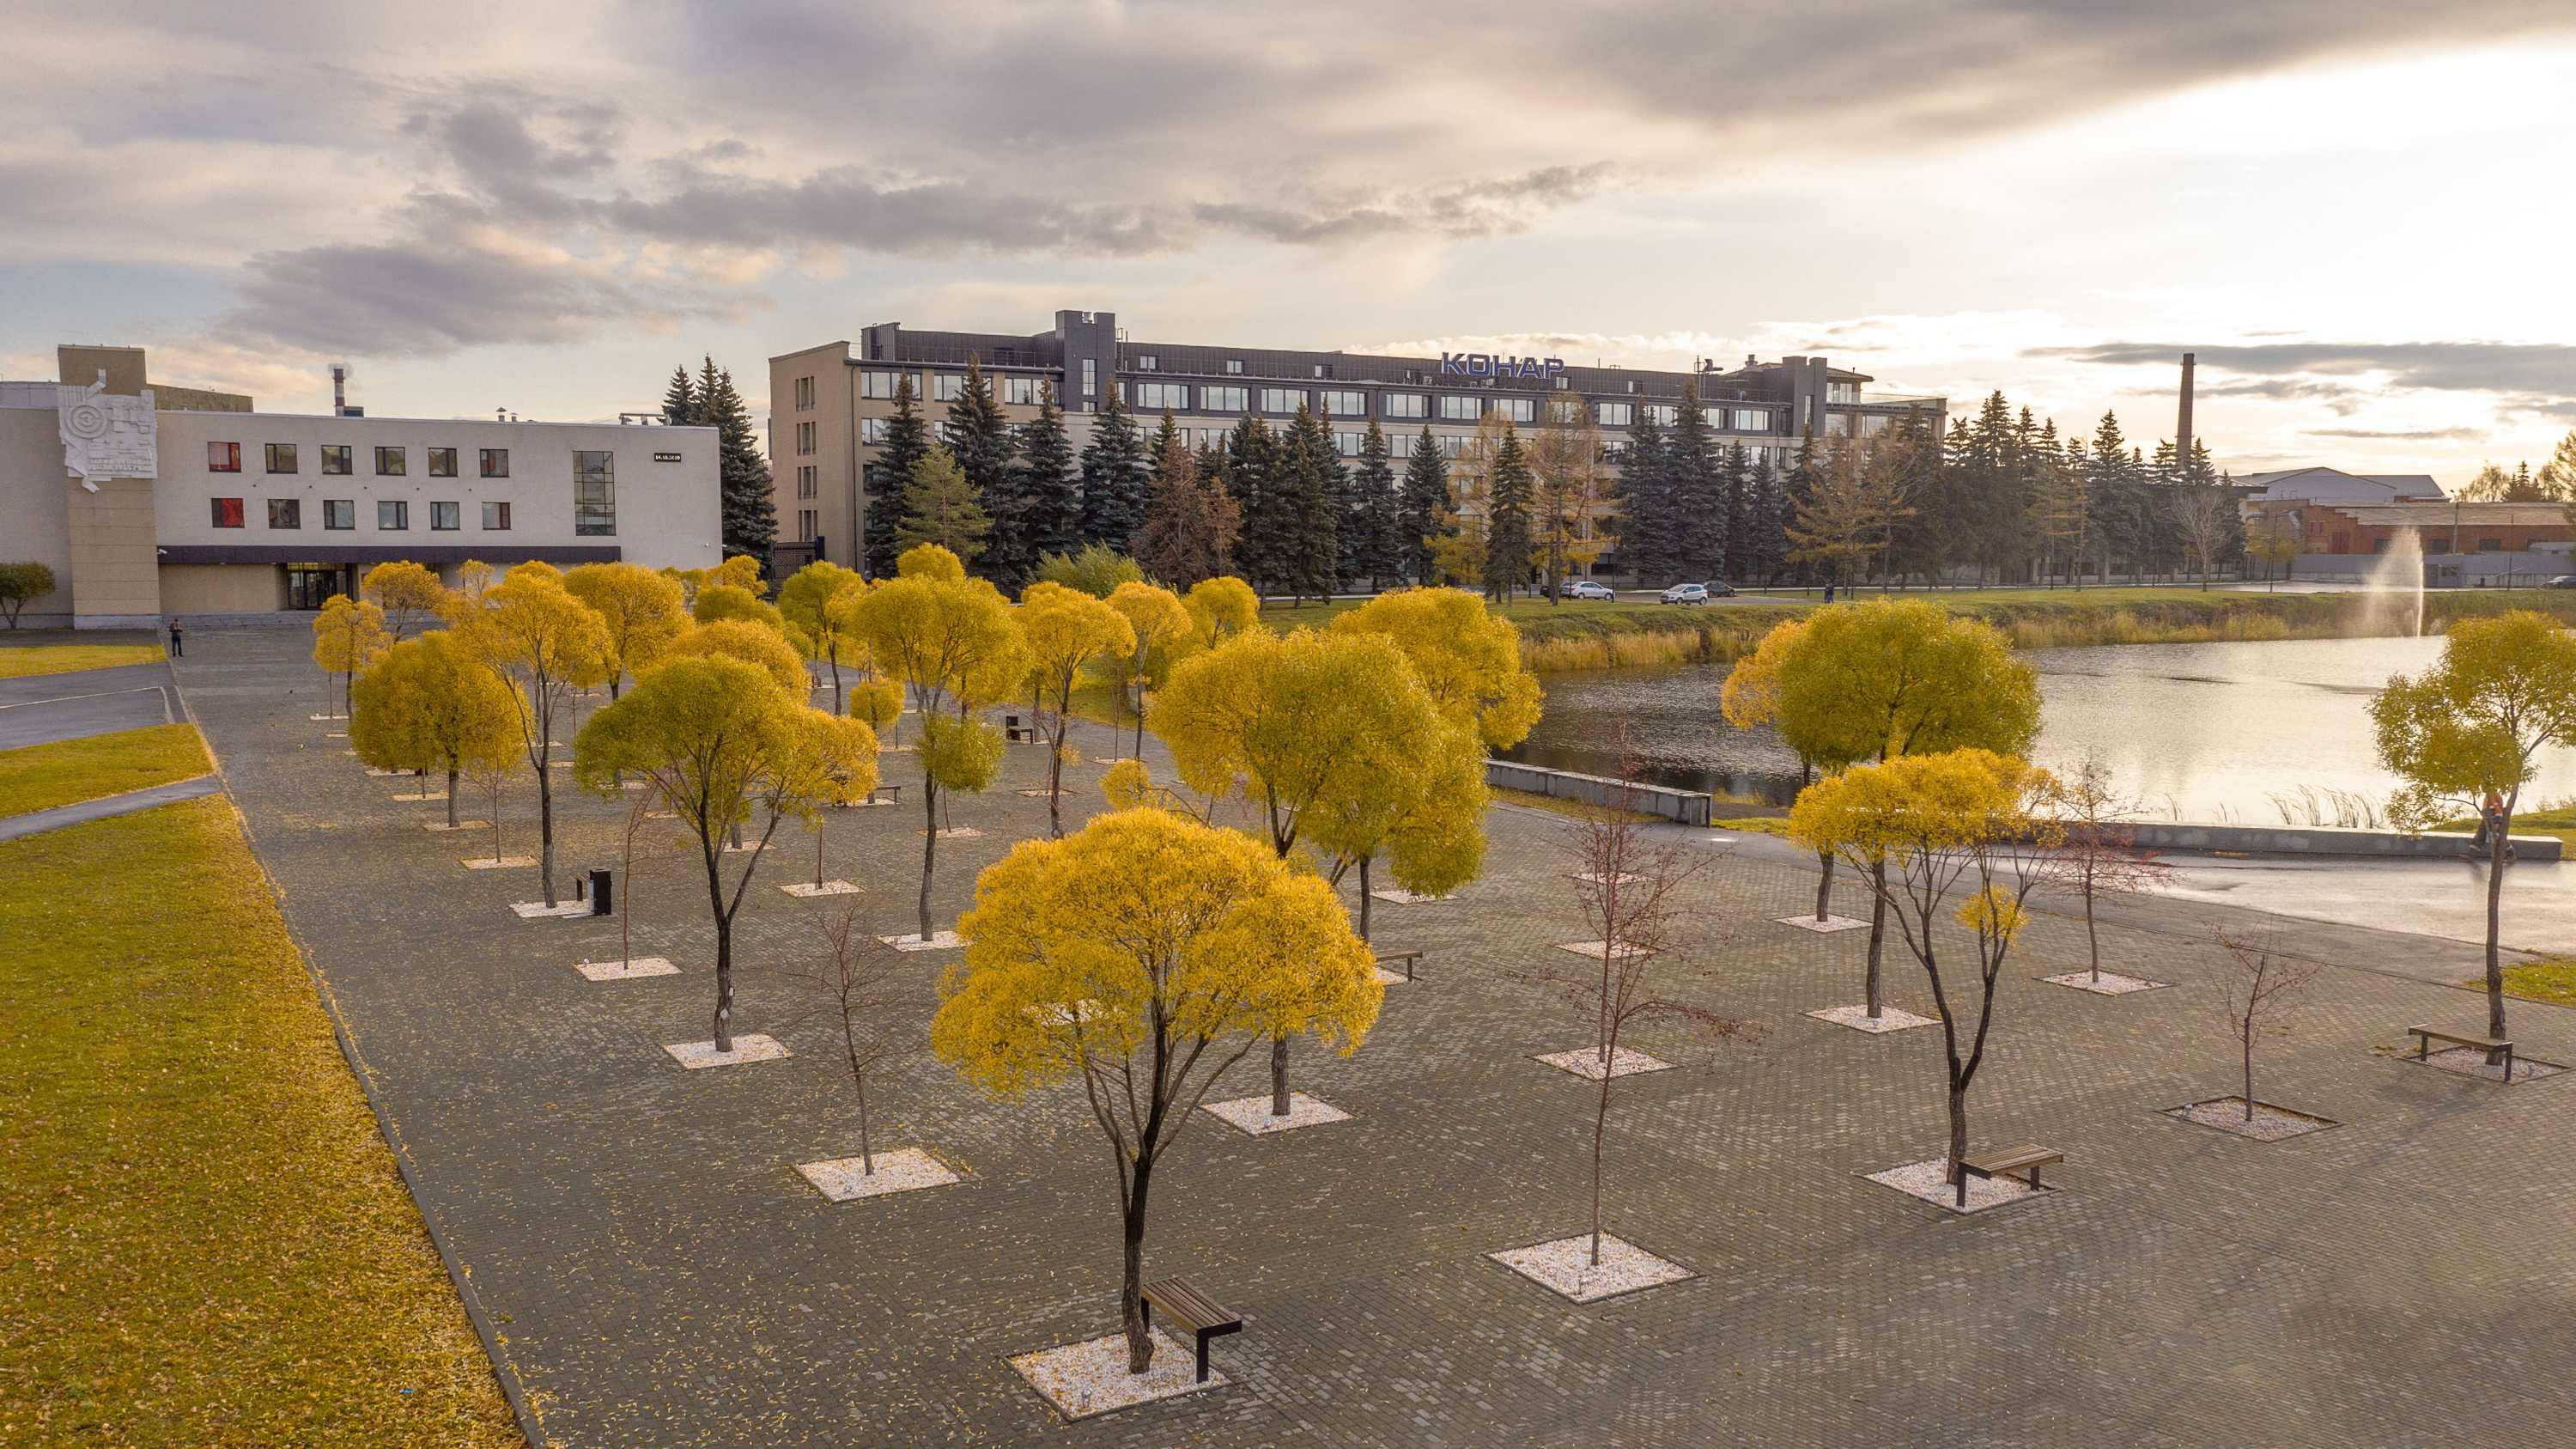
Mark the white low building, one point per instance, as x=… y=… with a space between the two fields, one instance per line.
x=156 y=502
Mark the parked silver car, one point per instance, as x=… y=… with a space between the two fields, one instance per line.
x=1587 y=589
x=1685 y=594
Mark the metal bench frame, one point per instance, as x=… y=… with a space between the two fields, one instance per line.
x=1181 y=1302
x=1407 y=957
x=2426 y=1035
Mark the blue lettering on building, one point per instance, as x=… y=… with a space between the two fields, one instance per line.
x=1487 y=364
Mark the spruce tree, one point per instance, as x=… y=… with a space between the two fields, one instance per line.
x=1369 y=548
x=1116 y=490
x=1189 y=536
x=907 y=442
x=680 y=400
x=1731 y=484
x=1798 y=492
x=1507 y=520
x=940 y=506
x=978 y=435
x=749 y=511
x=1417 y=514
x=1048 y=489
x=1252 y=470
x=1698 y=509
x=1649 y=524
x=1766 y=523
x=1310 y=480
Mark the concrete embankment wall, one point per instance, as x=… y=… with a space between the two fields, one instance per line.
x=2322 y=840
x=1689 y=807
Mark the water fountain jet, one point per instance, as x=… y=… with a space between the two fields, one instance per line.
x=2397 y=578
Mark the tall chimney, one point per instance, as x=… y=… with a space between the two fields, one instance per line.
x=340 y=394
x=2182 y=425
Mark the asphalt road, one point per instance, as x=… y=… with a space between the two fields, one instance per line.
x=43 y=708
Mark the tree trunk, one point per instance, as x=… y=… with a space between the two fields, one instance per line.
x=1824 y=884
x=546 y=824
x=1140 y=716
x=2496 y=851
x=1877 y=939
x=724 y=956
x=452 y=773
x=1055 y=774
x=929 y=851
x=1600 y=1130
x=2249 y=1067
x=839 y=706
x=1959 y=1136
x=867 y=1153
x=1364 y=898
x=2092 y=938
x=1279 y=1075
x=1131 y=1295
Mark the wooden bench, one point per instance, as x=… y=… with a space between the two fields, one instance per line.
x=1407 y=957
x=893 y=794
x=2425 y=1036
x=2025 y=1159
x=1017 y=733
x=1186 y=1306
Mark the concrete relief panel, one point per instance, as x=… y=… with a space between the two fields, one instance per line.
x=106 y=436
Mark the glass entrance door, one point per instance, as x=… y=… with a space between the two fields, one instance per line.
x=309 y=586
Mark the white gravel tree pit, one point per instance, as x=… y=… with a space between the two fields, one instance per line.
x=2111 y=984
x=844 y=1179
x=539 y=910
x=941 y=942
x=1408 y=898
x=1565 y=1266
x=504 y=862
x=1859 y=1019
x=459 y=825
x=1593 y=949
x=1084 y=1379
x=1828 y=924
x=1253 y=1115
x=1930 y=1181
x=1585 y=1062
x=2269 y=1124
x=697 y=1054
x=627 y=970
x=2471 y=1062
x=807 y=890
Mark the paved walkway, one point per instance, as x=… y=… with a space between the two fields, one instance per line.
x=666 y=1278
x=39 y=709
x=36 y=822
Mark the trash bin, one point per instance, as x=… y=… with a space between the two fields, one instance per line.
x=600 y=891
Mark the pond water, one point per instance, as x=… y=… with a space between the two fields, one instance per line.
x=2200 y=732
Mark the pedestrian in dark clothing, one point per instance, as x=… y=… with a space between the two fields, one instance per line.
x=1829 y=593
x=178 y=641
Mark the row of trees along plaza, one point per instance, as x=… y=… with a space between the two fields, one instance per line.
x=1195 y=924
x=2001 y=497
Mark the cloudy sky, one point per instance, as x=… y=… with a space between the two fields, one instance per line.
x=2357 y=212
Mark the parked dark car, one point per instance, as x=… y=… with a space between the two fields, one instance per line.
x=2563 y=581
x=1719 y=589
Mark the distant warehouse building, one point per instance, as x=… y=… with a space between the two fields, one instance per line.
x=829 y=404
x=2345 y=523
x=154 y=501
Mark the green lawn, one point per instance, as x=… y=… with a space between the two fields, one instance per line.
x=203 y=1240
x=40 y=777
x=2552 y=978
x=19 y=661
x=2560 y=822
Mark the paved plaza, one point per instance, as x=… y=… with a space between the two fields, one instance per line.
x=658 y=1271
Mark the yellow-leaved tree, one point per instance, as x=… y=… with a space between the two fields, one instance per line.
x=806 y=601
x=1067 y=632
x=717 y=603
x=1220 y=608
x=1924 y=829
x=642 y=611
x=545 y=644
x=1336 y=743
x=428 y=705
x=408 y=592
x=1145 y=955
x=2464 y=733
x=751 y=642
x=952 y=641
x=347 y=637
x=1163 y=630
x=1895 y=677
x=1467 y=656
x=723 y=744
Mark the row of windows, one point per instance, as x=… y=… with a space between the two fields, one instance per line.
x=340 y=460
x=393 y=515
x=1152 y=397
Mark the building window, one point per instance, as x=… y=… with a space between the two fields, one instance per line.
x=1405 y=405
x=1461 y=409
x=340 y=513
x=496 y=462
x=1090 y=375
x=1752 y=420
x=1837 y=425
x=1234 y=366
x=1147 y=364
x=1026 y=391
x=1282 y=399
x=223 y=457
x=392 y=515
x=1225 y=399
x=1450 y=443
x=1842 y=392
x=228 y=513
x=442 y=462
x=1345 y=404
x=1872 y=424
x=445 y=517
x=947 y=386
x=281 y=457
x=286 y=513
x=806 y=486
x=594 y=493
x=1518 y=409
x=2485 y=545
x=804 y=440
x=807 y=521
x=1662 y=415
x=1156 y=396
x=1349 y=445
x=873 y=430
x=1613 y=414
x=339 y=460
x=496 y=516
x=877 y=384
x=804 y=390
x=393 y=462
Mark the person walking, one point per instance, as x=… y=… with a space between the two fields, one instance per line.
x=178 y=641
x=1829 y=593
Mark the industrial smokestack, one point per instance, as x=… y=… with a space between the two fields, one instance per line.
x=2182 y=424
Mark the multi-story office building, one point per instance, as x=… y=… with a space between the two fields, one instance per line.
x=149 y=501
x=829 y=404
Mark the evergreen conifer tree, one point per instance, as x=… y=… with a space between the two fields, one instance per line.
x=941 y=506
x=907 y=442
x=1731 y=488
x=1311 y=485
x=1370 y=547
x=1417 y=514
x=978 y=436
x=1648 y=521
x=680 y=399
x=1507 y=521
x=1189 y=536
x=1766 y=523
x=1048 y=493
x=1252 y=469
x=1116 y=489
x=748 y=510
x=1698 y=504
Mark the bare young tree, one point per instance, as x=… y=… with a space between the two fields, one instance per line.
x=1629 y=888
x=2101 y=860
x=2204 y=516
x=853 y=984
x=2265 y=989
x=491 y=781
